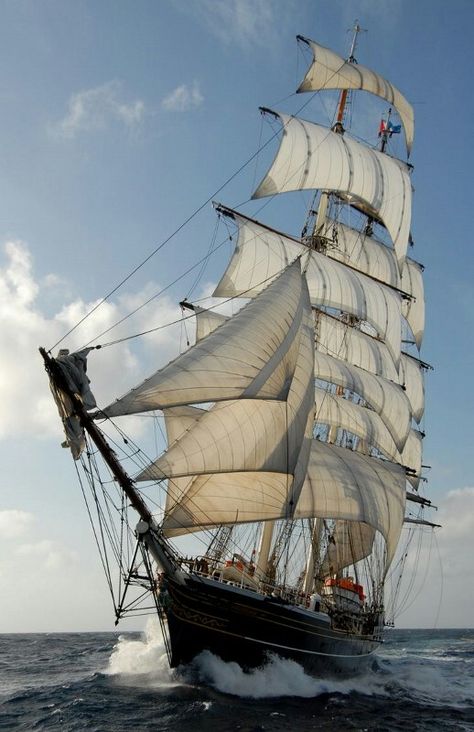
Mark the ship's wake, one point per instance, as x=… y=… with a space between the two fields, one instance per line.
x=144 y=661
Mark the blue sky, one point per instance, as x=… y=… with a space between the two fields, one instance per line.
x=118 y=120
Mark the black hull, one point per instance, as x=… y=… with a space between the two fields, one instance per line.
x=244 y=626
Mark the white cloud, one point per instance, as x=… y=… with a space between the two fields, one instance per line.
x=243 y=22
x=15 y=523
x=48 y=555
x=27 y=406
x=96 y=109
x=183 y=98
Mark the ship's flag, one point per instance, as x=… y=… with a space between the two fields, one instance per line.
x=389 y=128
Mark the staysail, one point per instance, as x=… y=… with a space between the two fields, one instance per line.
x=250 y=356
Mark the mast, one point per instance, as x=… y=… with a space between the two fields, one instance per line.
x=338 y=126
x=319 y=242
x=147 y=528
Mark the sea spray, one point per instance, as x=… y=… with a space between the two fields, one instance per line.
x=423 y=674
x=144 y=656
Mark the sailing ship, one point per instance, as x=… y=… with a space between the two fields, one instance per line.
x=293 y=440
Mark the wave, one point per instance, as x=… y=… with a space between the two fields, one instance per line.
x=402 y=673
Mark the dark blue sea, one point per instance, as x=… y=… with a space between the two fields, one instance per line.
x=107 y=682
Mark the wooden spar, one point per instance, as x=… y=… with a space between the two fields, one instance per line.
x=147 y=528
x=340 y=112
x=338 y=126
x=122 y=478
x=230 y=213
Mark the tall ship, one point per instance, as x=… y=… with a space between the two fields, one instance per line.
x=272 y=522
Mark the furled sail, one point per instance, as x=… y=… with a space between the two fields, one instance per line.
x=350 y=542
x=262 y=253
x=313 y=157
x=331 y=71
x=251 y=355
x=386 y=398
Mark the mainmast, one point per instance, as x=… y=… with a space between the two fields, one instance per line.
x=338 y=125
x=318 y=240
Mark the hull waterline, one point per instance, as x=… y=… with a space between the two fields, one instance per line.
x=243 y=626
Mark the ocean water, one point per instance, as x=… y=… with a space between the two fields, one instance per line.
x=109 y=682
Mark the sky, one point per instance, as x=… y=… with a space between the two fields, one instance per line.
x=119 y=120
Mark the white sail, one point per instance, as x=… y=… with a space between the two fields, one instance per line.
x=414 y=310
x=348 y=485
x=350 y=542
x=313 y=157
x=339 y=484
x=331 y=71
x=250 y=434
x=366 y=424
x=229 y=498
x=234 y=436
x=249 y=356
x=363 y=252
x=262 y=253
x=347 y=343
x=386 y=398
x=412 y=378
x=178 y=420
x=373 y=258
x=207 y=321
x=412 y=455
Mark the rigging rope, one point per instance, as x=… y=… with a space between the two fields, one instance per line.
x=210 y=198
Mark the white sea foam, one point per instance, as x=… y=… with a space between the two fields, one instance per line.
x=412 y=675
x=144 y=657
x=278 y=677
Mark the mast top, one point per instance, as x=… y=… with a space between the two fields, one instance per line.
x=356 y=29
